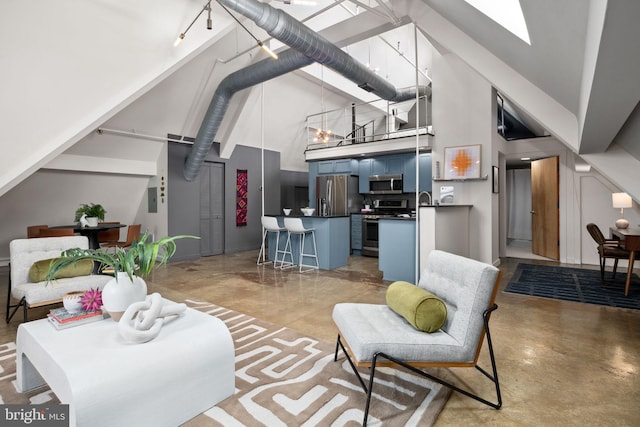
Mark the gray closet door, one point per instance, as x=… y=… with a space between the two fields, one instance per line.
x=212 y=209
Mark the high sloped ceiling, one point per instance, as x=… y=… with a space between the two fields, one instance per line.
x=75 y=65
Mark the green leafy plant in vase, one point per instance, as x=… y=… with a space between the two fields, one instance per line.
x=129 y=267
x=92 y=210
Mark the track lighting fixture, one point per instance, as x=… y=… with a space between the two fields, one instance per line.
x=259 y=42
x=300 y=2
x=207 y=7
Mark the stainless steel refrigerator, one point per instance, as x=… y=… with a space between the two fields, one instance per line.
x=337 y=195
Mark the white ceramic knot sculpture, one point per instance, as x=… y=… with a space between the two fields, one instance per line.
x=83 y=221
x=142 y=321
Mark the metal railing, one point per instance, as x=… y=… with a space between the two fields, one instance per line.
x=367 y=122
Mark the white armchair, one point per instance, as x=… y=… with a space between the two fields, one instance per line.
x=23 y=253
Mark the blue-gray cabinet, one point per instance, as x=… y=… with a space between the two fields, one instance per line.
x=356 y=234
x=404 y=164
x=409 y=173
x=383 y=165
x=364 y=167
x=397 y=249
x=339 y=166
x=387 y=165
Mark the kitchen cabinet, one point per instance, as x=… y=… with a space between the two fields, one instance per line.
x=397 y=249
x=383 y=165
x=387 y=165
x=356 y=234
x=409 y=173
x=339 y=166
x=364 y=167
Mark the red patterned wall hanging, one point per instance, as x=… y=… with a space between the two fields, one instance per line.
x=241 y=197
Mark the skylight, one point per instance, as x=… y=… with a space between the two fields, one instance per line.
x=507 y=13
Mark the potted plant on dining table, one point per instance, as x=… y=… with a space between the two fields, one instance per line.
x=92 y=213
x=128 y=267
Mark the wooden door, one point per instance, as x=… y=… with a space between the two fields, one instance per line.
x=545 y=208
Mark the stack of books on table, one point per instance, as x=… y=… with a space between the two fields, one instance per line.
x=60 y=318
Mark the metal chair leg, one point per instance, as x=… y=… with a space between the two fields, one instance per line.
x=15 y=307
x=261 y=254
x=493 y=376
x=288 y=250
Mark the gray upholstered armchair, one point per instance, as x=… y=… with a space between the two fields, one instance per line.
x=373 y=335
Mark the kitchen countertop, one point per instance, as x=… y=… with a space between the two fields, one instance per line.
x=308 y=216
x=398 y=218
x=446 y=206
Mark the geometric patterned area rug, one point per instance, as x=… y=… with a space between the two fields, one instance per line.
x=284 y=378
x=574 y=284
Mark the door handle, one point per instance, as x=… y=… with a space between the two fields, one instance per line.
x=533 y=212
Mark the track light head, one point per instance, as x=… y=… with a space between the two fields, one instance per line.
x=178 y=40
x=207 y=7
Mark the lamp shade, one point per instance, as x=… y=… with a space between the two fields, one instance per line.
x=621 y=200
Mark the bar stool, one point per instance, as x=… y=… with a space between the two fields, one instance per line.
x=270 y=224
x=295 y=226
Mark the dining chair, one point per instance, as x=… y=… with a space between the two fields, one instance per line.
x=56 y=232
x=33 y=231
x=133 y=234
x=607 y=249
x=109 y=236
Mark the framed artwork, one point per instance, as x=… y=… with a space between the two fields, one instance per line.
x=462 y=162
x=496 y=179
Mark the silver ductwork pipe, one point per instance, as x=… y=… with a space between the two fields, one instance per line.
x=261 y=71
x=308 y=46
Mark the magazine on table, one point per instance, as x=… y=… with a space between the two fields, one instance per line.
x=59 y=325
x=62 y=315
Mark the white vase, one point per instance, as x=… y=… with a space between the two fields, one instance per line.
x=120 y=292
x=72 y=301
x=92 y=221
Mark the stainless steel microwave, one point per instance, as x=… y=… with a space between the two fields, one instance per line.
x=385 y=184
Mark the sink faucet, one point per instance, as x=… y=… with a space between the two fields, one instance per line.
x=428 y=195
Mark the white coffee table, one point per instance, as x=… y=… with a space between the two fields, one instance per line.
x=184 y=371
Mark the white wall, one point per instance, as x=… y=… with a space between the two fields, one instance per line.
x=75 y=64
x=462 y=115
x=595 y=206
x=52 y=197
x=584 y=198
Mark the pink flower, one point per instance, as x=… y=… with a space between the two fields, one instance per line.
x=92 y=300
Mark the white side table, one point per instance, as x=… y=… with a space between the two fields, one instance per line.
x=187 y=369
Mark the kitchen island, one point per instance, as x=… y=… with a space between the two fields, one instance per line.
x=332 y=240
x=397 y=249
x=444 y=227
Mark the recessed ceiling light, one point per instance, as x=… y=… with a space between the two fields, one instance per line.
x=525 y=159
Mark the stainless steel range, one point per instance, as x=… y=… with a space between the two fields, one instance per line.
x=382 y=209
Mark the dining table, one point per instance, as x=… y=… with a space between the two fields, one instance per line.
x=629 y=239
x=91 y=232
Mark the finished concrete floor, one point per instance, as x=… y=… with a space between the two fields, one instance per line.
x=559 y=363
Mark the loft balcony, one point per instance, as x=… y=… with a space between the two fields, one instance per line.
x=373 y=128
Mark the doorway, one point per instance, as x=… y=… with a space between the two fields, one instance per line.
x=212 y=209
x=545 y=207
x=519 y=197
